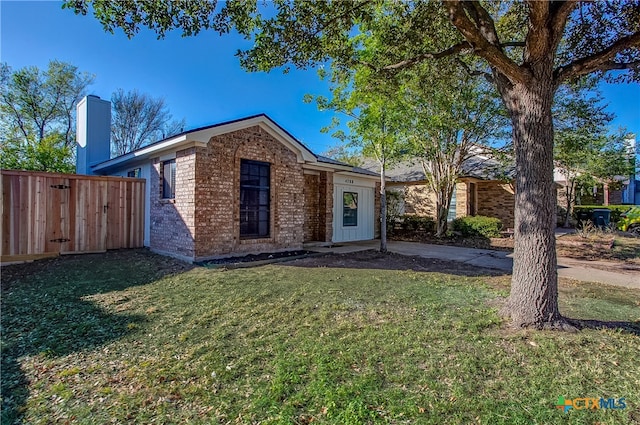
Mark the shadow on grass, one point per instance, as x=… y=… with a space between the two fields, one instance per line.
x=628 y=327
x=375 y=260
x=44 y=311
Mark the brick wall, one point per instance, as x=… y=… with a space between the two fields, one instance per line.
x=173 y=227
x=493 y=199
x=311 y=207
x=218 y=188
x=496 y=199
x=462 y=199
x=419 y=200
x=615 y=196
x=325 y=203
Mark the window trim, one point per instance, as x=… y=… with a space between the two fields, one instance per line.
x=171 y=184
x=255 y=210
x=354 y=197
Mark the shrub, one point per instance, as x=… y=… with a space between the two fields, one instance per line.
x=488 y=227
x=416 y=222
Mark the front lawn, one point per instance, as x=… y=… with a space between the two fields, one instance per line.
x=131 y=337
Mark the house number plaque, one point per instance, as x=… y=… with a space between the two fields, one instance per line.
x=350 y=181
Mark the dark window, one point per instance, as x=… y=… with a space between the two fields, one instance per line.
x=134 y=173
x=169 y=179
x=255 y=183
x=349 y=209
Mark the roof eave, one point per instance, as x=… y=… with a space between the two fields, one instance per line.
x=177 y=143
x=201 y=136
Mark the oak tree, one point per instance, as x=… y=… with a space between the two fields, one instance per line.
x=529 y=50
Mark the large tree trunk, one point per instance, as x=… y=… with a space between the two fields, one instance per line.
x=533 y=301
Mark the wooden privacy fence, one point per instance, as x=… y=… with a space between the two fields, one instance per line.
x=46 y=214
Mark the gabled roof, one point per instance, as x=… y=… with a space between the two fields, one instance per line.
x=201 y=136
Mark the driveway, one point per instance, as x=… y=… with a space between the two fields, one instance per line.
x=500 y=260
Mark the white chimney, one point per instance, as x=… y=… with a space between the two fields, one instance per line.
x=93 y=133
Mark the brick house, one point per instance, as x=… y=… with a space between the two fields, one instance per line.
x=481 y=190
x=234 y=188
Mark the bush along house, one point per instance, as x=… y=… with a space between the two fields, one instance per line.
x=239 y=187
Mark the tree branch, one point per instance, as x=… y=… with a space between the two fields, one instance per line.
x=513 y=44
x=457 y=48
x=474 y=72
x=484 y=21
x=537 y=39
x=611 y=66
x=559 y=14
x=492 y=53
x=602 y=60
x=347 y=13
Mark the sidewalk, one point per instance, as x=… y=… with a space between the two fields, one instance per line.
x=500 y=260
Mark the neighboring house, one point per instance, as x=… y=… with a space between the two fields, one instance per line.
x=604 y=194
x=631 y=191
x=622 y=190
x=238 y=187
x=483 y=188
x=631 y=185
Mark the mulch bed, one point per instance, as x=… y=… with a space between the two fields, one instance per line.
x=498 y=244
x=252 y=258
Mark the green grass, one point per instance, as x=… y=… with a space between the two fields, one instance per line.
x=133 y=337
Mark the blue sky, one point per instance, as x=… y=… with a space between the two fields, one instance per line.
x=199 y=77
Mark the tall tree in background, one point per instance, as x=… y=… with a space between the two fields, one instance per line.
x=139 y=119
x=529 y=50
x=440 y=114
x=37 y=115
x=348 y=155
x=453 y=118
x=375 y=117
x=584 y=152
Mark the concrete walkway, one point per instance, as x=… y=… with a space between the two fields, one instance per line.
x=500 y=260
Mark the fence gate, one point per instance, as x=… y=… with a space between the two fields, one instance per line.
x=46 y=214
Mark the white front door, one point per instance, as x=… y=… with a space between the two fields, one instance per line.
x=353 y=213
